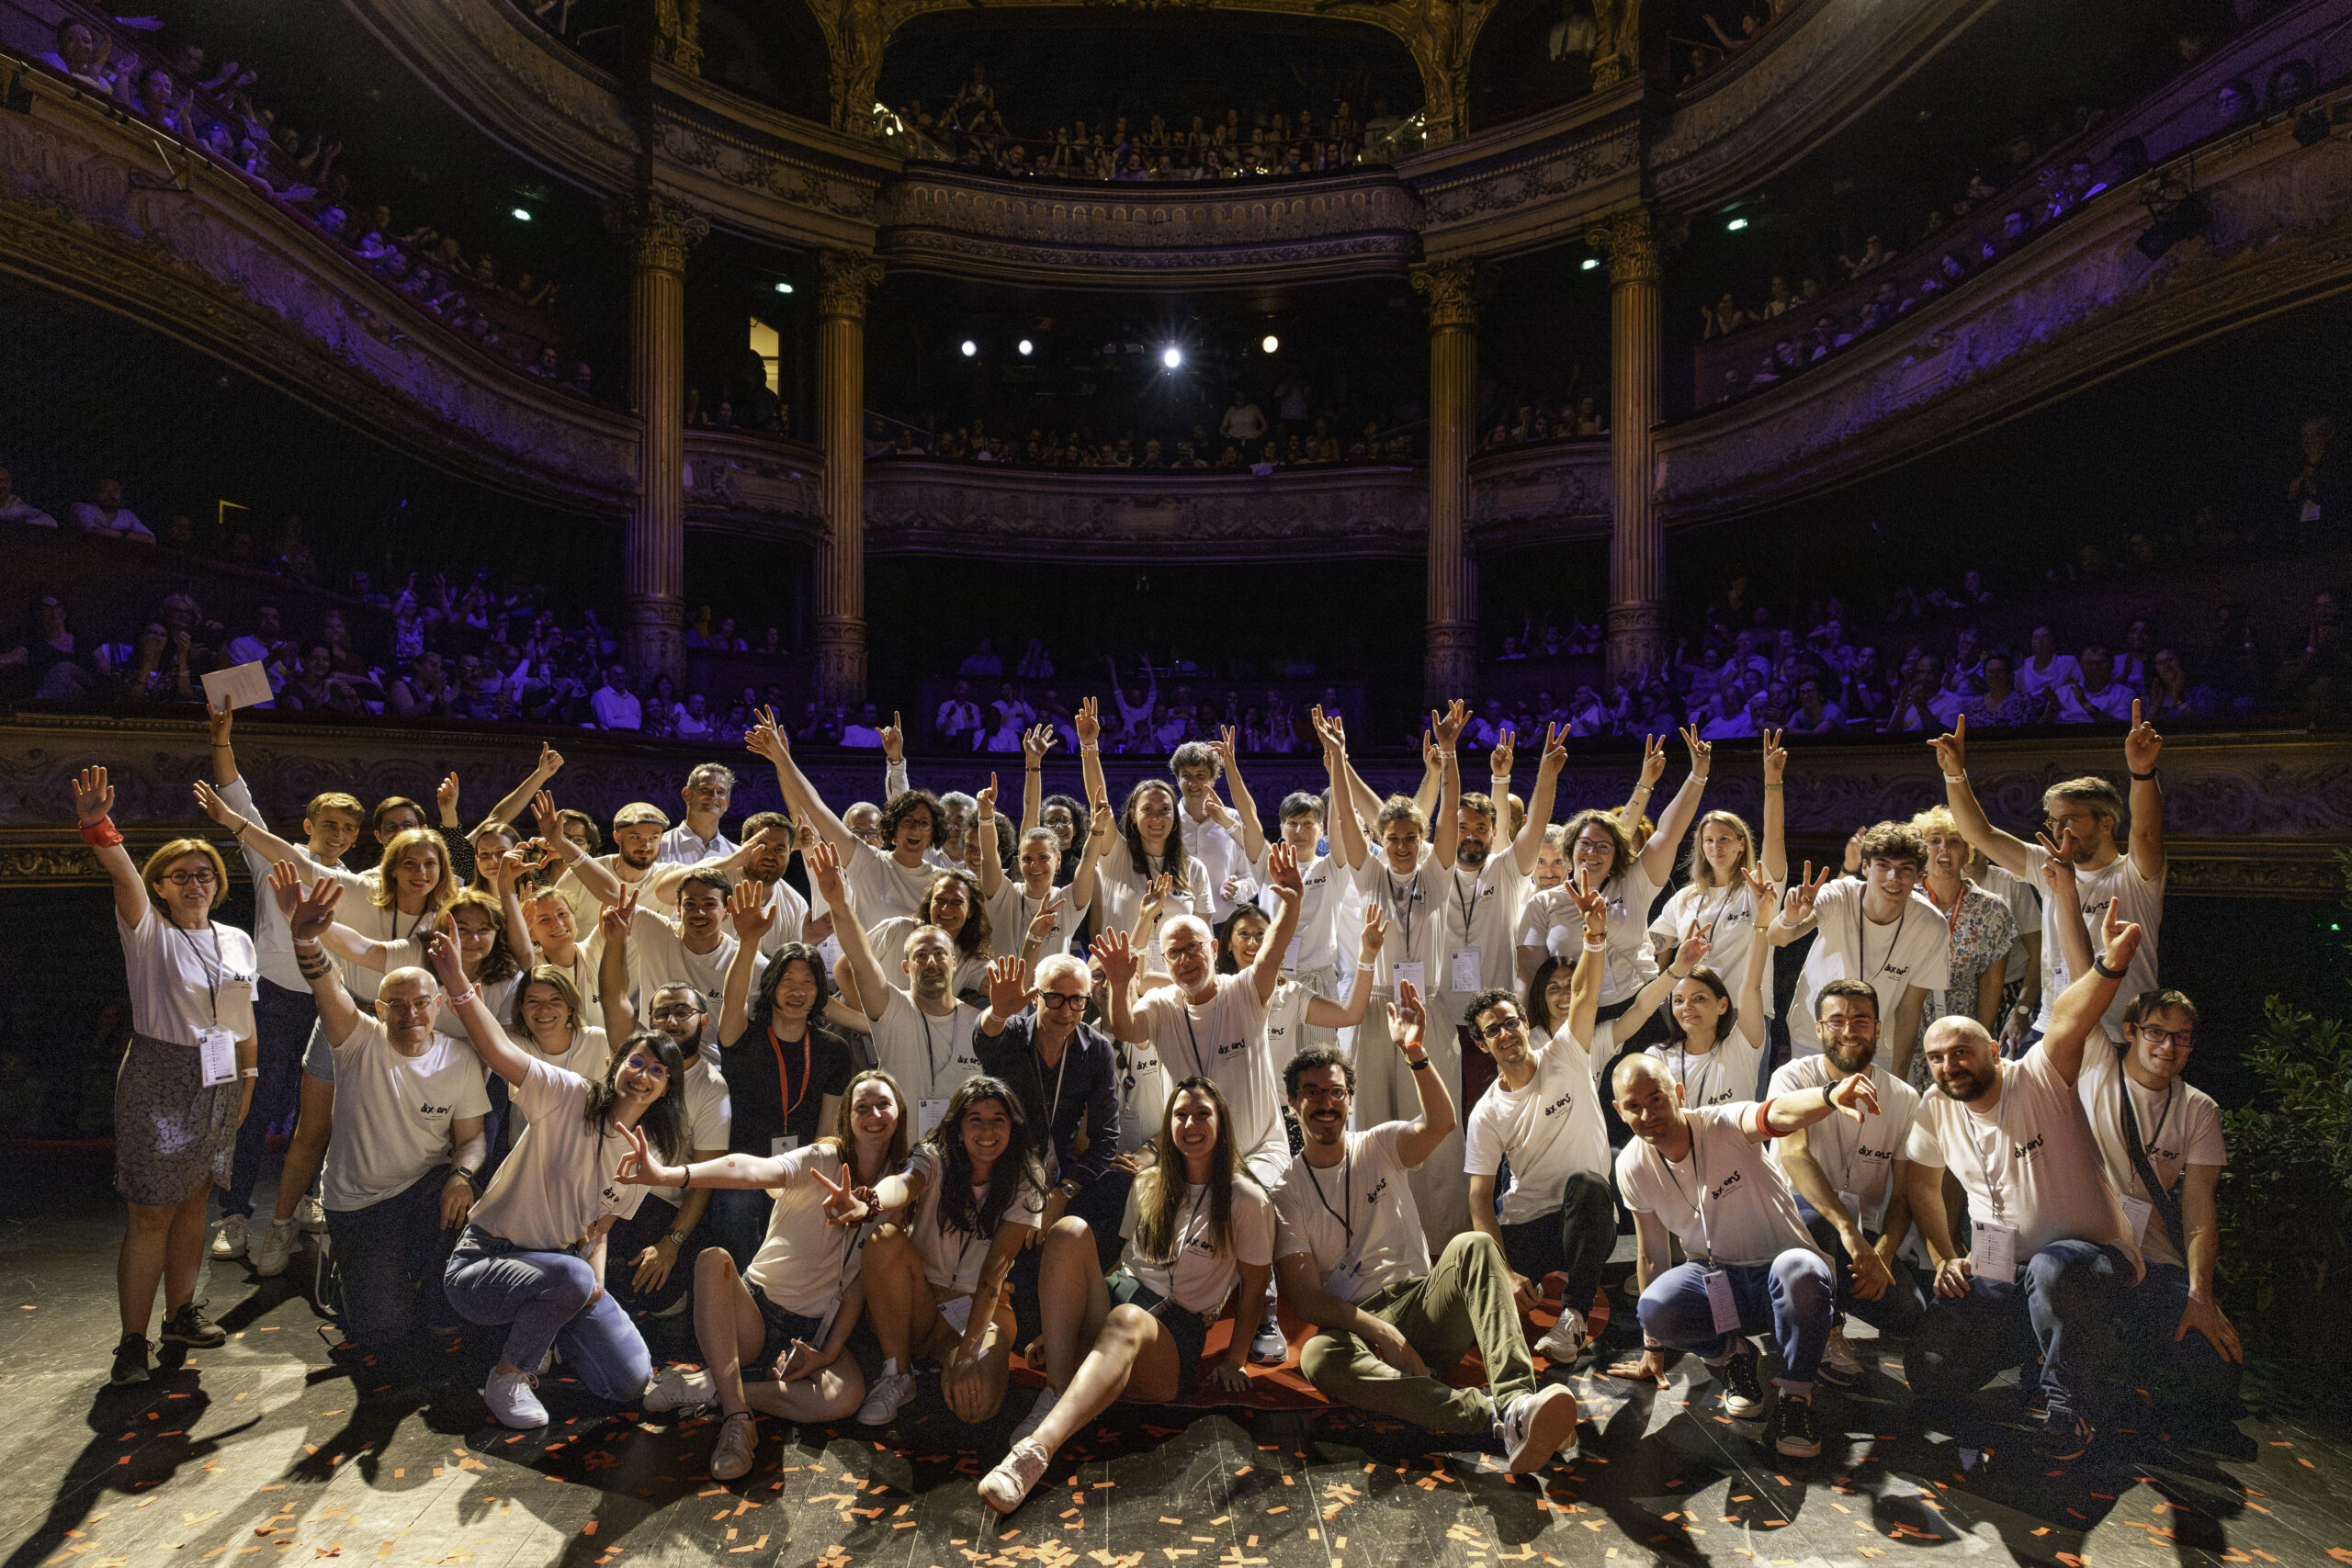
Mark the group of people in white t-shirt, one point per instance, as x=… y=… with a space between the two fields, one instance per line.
x=905 y=1102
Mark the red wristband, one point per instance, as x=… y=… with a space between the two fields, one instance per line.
x=101 y=834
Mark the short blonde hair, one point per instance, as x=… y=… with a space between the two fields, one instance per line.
x=1939 y=820
x=177 y=848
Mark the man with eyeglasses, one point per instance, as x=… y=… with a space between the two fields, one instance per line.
x=707 y=793
x=651 y=1241
x=2051 y=1257
x=1880 y=930
x=1853 y=1177
x=2081 y=817
x=408 y=1143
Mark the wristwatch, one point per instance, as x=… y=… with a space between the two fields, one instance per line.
x=1068 y=1190
x=675 y=1237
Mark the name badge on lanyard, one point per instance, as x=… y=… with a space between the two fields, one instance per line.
x=1467 y=966
x=2135 y=1215
x=216 y=1056
x=1720 y=1301
x=783 y=1145
x=927 y=1114
x=1411 y=972
x=1995 y=1256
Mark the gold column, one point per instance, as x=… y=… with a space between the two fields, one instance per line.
x=1638 y=543
x=659 y=231
x=1450 y=644
x=845 y=281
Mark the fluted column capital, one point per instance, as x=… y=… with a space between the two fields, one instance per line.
x=1450 y=290
x=658 y=229
x=1630 y=239
x=846 y=282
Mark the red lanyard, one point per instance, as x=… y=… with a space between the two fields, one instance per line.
x=784 y=1097
x=1952 y=920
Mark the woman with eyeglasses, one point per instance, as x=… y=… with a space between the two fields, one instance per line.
x=187 y=1078
x=771 y=1336
x=532 y=1256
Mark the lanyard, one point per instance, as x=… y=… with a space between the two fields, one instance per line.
x=1861 y=936
x=213 y=966
x=1054 y=1108
x=1347 y=1197
x=1952 y=917
x=783 y=1095
x=1198 y=1066
x=1698 y=1203
x=1403 y=904
x=2172 y=1092
x=2000 y=1146
x=930 y=1056
x=1708 y=1062
x=1720 y=910
x=1469 y=899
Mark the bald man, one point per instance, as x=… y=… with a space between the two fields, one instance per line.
x=2051 y=1253
x=1754 y=1268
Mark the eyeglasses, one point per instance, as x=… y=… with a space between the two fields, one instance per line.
x=189 y=878
x=395 y=1009
x=1503 y=1026
x=2179 y=1039
x=675 y=1010
x=1848 y=1026
x=1058 y=1001
x=646 y=1064
x=2076 y=820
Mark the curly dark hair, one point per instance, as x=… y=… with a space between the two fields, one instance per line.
x=911 y=800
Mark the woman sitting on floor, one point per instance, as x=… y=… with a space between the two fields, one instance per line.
x=1195 y=1228
x=782 y=1322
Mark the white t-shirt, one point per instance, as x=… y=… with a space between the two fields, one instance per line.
x=1286 y=1026
x=393 y=1115
x=791 y=912
x=2179 y=1126
x=1482 y=911
x=710 y=1113
x=1323 y=888
x=1747 y=1214
x=1857 y=1156
x=1014 y=908
x=271 y=939
x=1914 y=949
x=1120 y=890
x=2035 y=1151
x=888 y=940
x=805 y=1264
x=2024 y=900
x=1356 y=1219
x=951 y=1259
x=359 y=912
x=588 y=1053
x=183 y=982
x=1415 y=905
x=1720 y=1076
x=1220 y=855
x=558 y=1180
x=2136 y=898
x=2063 y=667
x=1549 y=1129
x=930 y=1056
x=1223 y=1039
x=881 y=887
x=1143 y=1094
x=1552 y=922
x=1202 y=1276
x=657 y=954
x=1727 y=918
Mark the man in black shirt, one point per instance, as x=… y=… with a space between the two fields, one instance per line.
x=1067 y=1076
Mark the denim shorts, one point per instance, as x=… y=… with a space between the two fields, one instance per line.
x=783 y=1328
x=1187 y=1329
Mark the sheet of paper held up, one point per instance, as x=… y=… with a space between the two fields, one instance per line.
x=239 y=686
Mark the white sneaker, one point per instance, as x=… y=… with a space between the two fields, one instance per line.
x=1039 y=1408
x=231 y=1242
x=680 y=1387
x=1005 y=1487
x=1536 y=1427
x=1839 y=1365
x=312 y=1214
x=277 y=1249
x=739 y=1438
x=511 y=1401
x=1565 y=1342
x=882 y=1401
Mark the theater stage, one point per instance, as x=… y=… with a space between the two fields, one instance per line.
x=268 y=1449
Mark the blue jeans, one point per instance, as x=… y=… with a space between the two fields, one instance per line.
x=543 y=1298
x=282 y=1024
x=1897 y=1311
x=385 y=1252
x=1789 y=1298
x=2061 y=1306
x=2192 y=1373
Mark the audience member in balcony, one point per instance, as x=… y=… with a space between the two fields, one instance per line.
x=614 y=704
x=81 y=53
x=15 y=508
x=105 y=513
x=2317 y=435
x=2045 y=668
x=2096 y=696
x=1244 y=422
x=2170 y=695
x=1726 y=319
x=2001 y=704
x=1874 y=256
x=982 y=660
x=316 y=688
x=958 y=719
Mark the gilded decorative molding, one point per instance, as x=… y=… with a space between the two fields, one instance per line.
x=677 y=35
x=1630 y=240
x=1540 y=495
x=658 y=229
x=1617 y=41
x=2065 y=312
x=845 y=281
x=1531 y=193
x=1373 y=255
x=238 y=276
x=1450 y=290
x=753 y=484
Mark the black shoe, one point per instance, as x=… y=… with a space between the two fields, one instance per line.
x=1743 y=1387
x=1791 y=1432
x=130 y=1360
x=189 y=1326
x=2064 y=1436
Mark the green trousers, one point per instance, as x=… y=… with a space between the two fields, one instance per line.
x=1466 y=1299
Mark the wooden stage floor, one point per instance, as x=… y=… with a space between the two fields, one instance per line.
x=270 y=1450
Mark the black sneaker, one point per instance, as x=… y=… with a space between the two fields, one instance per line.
x=130 y=1360
x=2064 y=1436
x=1791 y=1432
x=1743 y=1387
x=189 y=1326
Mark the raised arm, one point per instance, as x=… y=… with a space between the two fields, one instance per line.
x=2065 y=903
x=1653 y=768
x=498 y=1054
x=550 y=763
x=94 y=807
x=1347 y=823
x=2142 y=747
x=2076 y=1012
x=1798 y=914
x=1245 y=807
x=873 y=988
x=1658 y=856
x=1775 y=848
x=310 y=917
x=1760 y=960
x=1854 y=1097
x=894 y=758
x=1322 y=1012
x=991 y=863
x=748 y=907
x=1528 y=846
x=1119 y=957
x=1584 y=985
x=591 y=873
x=1088 y=722
x=1036 y=742
x=1660 y=986
x=250 y=835
x=1438 y=1118
x=1282 y=875
x=612 y=968
x=1102 y=832
x=800 y=796
x=1446 y=830
x=2007 y=850
x=510 y=904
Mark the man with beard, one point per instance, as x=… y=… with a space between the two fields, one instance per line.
x=765 y=856
x=2083 y=815
x=921 y=1034
x=694 y=948
x=1489 y=891
x=645 y=1247
x=2052 y=1252
x=1353 y=1260
x=1853 y=1179
x=707 y=793
x=637 y=848
x=1703 y=1174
